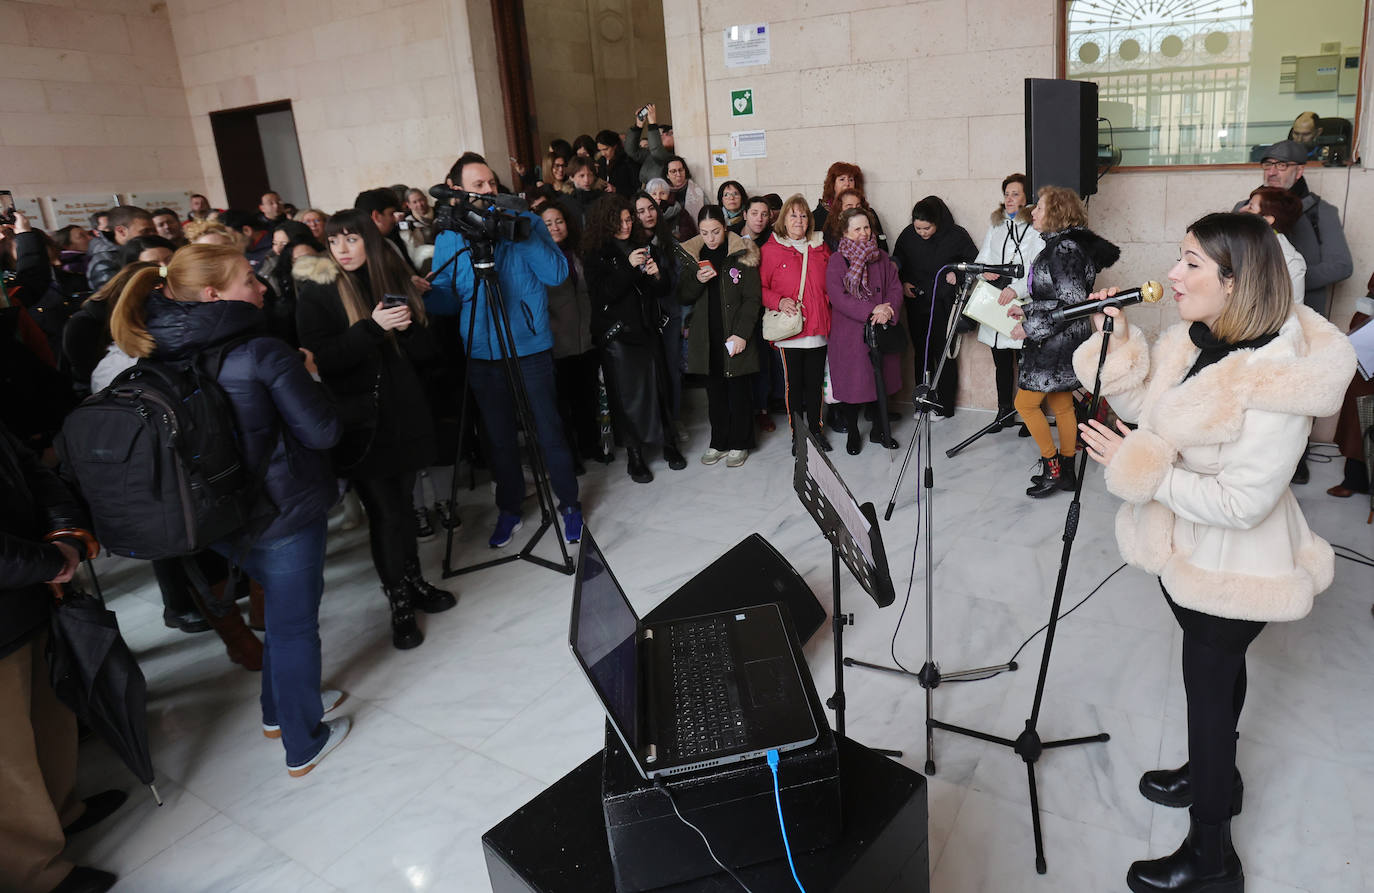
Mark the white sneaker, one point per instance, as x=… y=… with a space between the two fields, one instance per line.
x=712 y=456
x=338 y=731
x=329 y=699
x=735 y=458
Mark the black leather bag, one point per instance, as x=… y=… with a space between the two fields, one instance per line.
x=885 y=337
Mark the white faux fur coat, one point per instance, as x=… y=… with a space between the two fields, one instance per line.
x=1205 y=477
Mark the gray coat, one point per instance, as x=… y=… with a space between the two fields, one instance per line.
x=653 y=160
x=1320 y=239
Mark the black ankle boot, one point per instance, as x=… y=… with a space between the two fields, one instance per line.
x=634 y=464
x=1068 y=475
x=835 y=420
x=673 y=456
x=888 y=442
x=1047 y=481
x=1206 y=862
x=405 y=632
x=1174 y=787
x=854 y=442
x=428 y=598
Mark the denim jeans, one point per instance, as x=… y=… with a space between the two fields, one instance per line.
x=493 y=394
x=291 y=571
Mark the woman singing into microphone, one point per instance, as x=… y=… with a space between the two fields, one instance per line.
x=1224 y=403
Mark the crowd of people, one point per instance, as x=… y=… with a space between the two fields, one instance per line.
x=362 y=333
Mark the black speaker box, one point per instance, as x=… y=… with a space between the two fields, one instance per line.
x=1061 y=135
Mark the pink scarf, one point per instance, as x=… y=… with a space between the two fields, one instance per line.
x=859 y=255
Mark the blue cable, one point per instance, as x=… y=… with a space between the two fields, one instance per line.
x=777 y=797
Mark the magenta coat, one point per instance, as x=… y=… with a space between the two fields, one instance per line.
x=851 y=370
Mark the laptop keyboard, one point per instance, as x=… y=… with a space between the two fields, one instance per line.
x=707 y=711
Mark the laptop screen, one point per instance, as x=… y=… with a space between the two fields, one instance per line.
x=604 y=639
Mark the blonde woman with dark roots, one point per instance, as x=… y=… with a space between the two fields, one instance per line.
x=210 y=296
x=1224 y=403
x=358 y=313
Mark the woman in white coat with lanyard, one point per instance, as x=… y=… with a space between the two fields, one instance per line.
x=1224 y=402
x=1010 y=240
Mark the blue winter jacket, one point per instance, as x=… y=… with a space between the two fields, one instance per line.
x=271 y=393
x=524 y=269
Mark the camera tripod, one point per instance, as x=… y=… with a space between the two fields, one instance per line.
x=482 y=255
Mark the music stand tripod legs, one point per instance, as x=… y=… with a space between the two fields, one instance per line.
x=1028 y=745
x=930 y=676
x=485 y=282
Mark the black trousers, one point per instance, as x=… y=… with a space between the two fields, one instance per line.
x=1004 y=362
x=730 y=406
x=1214 y=680
x=579 y=402
x=390 y=523
x=804 y=371
x=919 y=322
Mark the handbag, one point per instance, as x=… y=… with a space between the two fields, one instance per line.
x=779 y=326
x=885 y=337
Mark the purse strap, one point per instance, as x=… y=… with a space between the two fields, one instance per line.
x=806 y=256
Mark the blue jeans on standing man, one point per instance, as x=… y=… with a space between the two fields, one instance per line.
x=487 y=378
x=291 y=571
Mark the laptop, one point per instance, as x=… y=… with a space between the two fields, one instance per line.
x=687 y=694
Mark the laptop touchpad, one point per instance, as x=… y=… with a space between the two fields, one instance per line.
x=767 y=681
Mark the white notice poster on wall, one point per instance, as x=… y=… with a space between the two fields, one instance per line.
x=151 y=201
x=748 y=144
x=747 y=45
x=77 y=209
x=28 y=206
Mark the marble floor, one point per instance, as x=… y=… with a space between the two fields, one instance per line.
x=451 y=737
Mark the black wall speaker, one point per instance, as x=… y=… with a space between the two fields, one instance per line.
x=1061 y=135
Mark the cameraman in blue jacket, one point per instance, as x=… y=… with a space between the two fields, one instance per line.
x=524 y=269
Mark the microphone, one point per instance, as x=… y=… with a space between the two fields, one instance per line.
x=1015 y=271
x=1150 y=292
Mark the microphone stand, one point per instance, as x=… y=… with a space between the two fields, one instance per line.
x=930 y=676
x=1028 y=745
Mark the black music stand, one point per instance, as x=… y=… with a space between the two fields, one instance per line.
x=855 y=539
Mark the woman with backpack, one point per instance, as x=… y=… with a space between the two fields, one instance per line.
x=209 y=298
x=359 y=315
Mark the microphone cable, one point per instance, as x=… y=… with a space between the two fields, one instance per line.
x=662 y=786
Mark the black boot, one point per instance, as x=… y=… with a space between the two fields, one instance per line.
x=634 y=464
x=1047 y=481
x=428 y=598
x=1206 y=862
x=673 y=456
x=876 y=436
x=854 y=441
x=822 y=440
x=1174 y=787
x=1068 y=475
x=835 y=420
x=1006 y=417
x=405 y=632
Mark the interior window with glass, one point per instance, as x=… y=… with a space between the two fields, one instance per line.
x=1188 y=82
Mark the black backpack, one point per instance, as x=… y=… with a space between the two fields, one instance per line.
x=155 y=456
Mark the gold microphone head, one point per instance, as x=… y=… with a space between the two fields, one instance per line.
x=1151 y=292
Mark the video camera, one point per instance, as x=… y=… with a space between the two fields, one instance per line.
x=480 y=217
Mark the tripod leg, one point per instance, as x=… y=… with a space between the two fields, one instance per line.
x=1040 y=865
x=930 y=736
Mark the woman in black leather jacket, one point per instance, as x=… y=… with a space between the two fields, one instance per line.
x=626 y=280
x=210 y=296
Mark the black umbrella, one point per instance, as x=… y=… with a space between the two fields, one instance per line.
x=875 y=356
x=95 y=674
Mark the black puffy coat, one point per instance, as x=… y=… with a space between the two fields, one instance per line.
x=1062 y=275
x=621 y=293
x=35 y=502
x=388 y=426
x=266 y=381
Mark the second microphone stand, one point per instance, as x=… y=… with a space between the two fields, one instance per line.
x=930 y=676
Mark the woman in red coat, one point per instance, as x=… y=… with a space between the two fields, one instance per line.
x=863 y=286
x=793 y=271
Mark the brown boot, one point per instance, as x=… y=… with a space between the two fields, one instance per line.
x=241 y=645
x=256 y=618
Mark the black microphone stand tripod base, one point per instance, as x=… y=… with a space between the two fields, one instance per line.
x=1028 y=745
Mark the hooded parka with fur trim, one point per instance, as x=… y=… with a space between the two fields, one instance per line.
x=1205 y=477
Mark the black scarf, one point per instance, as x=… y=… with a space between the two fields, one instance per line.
x=1213 y=350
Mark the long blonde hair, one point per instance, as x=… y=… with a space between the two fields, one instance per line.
x=191 y=270
x=1248 y=255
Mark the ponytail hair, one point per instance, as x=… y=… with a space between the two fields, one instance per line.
x=192 y=269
